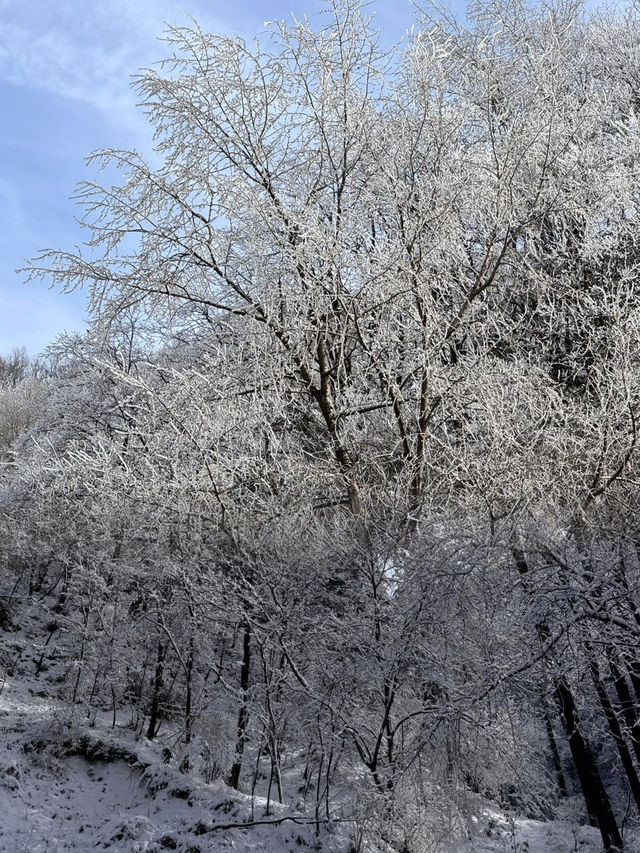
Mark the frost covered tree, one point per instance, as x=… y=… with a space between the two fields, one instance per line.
x=371 y=368
x=22 y=398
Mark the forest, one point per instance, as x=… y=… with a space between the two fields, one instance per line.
x=336 y=502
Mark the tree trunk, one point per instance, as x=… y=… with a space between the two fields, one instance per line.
x=234 y=775
x=615 y=729
x=154 y=715
x=555 y=755
x=188 y=712
x=595 y=795
x=627 y=705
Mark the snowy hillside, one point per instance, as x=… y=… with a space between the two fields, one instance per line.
x=325 y=534
x=68 y=783
x=65 y=785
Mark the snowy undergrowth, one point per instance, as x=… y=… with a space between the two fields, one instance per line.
x=72 y=783
x=493 y=831
x=64 y=789
x=68 y=782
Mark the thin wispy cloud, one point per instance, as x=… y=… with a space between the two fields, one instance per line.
x=84 y=52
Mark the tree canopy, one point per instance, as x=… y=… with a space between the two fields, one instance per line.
x=353 y=436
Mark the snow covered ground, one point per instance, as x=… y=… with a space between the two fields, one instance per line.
x=64 y=790
x=67 y=783
x=498 y=833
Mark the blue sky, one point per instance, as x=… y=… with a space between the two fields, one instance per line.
x=65 y=69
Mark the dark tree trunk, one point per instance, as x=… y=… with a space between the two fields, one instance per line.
x=234 y=775
x=615 y=729
x=154 y=714
x=627 y=705
x=555 y=756
x=188 y=711
x=64 y=592
x=631 y=659
x=595 y=795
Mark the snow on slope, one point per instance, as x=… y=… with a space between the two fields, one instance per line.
x=66 y=785
x=496 y=832
x=61 y=789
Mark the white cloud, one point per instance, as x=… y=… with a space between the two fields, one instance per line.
x=84 y=51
